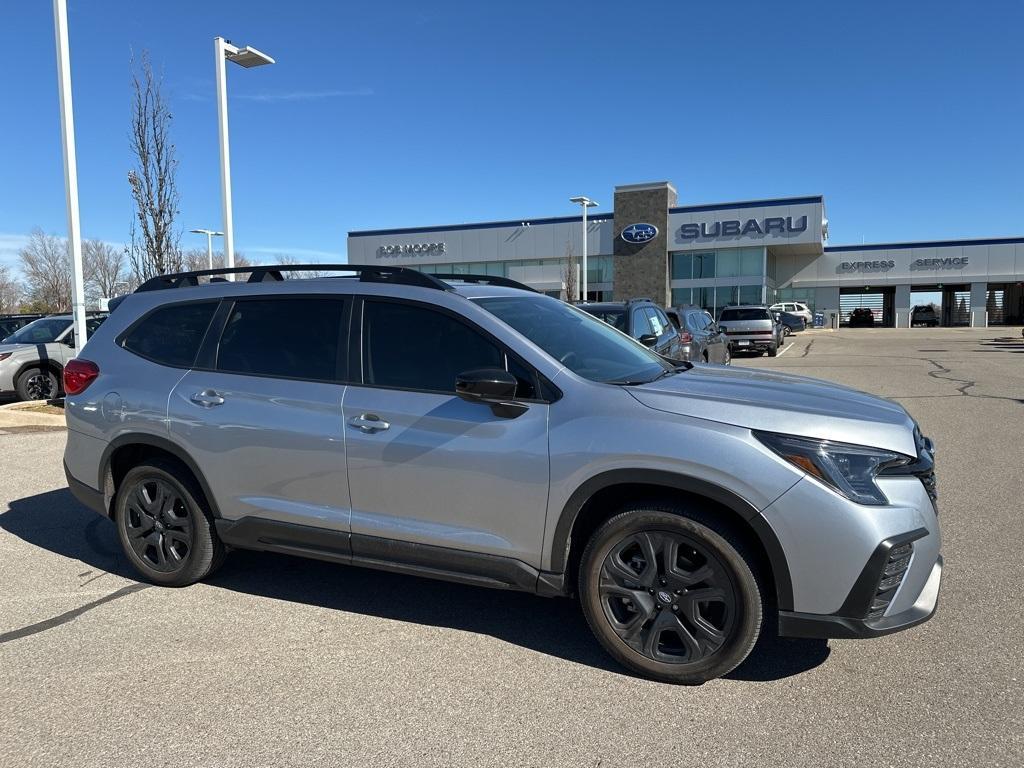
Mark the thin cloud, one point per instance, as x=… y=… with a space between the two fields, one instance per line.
x=299 y=253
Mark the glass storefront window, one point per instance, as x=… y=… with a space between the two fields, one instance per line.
x=750 y=294
x=726 y=295
x=728 y=262
x=751 y=262
x=496 y=268
x=681 y=297
x=682 y=266
x=703 y=264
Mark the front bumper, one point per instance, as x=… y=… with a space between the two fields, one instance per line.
x=810 y=625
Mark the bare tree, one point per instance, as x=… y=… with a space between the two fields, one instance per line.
x=152 y=181
x=286 y=260
x=10 y=291
x=570 y=273
x=103 y=265
x=46 y=266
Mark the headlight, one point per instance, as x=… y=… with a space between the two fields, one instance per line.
x=849 y=470
x=5 y=355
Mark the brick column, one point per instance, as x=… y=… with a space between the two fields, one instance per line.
x=642 y=269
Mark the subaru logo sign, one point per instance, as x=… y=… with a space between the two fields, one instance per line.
x=639 y=233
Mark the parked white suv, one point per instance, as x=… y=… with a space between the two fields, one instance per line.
x=794 y=308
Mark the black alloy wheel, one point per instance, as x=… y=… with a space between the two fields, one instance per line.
x=159 y=525
x=38 y=384
x=164 y=524
x=667 y=597
x=670 y=593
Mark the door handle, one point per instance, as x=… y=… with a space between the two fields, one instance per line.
x=208 y=398
x=369 y=422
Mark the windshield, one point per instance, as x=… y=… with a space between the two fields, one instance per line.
x=42 y=331
x=583 y=344
x=614 y=317
x=745 y=313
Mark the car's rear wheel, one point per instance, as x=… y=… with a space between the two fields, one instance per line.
x=669 y=594
x=37 y=384
x=165 y=531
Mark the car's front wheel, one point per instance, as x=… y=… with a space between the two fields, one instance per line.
x=773 y=350
x=669 y=593
x=164 y=529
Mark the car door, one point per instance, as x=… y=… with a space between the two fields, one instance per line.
x=640 y=323
x=429 y=472
x=260 y=413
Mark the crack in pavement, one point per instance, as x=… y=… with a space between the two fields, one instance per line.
x=74 y=613
x=966 y=383
x=807 y=349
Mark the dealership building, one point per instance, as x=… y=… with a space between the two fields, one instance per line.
x=714 y=255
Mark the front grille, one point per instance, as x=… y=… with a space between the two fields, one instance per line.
x=890 y=579
x=922 y=468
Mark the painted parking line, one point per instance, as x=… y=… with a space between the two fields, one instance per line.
x=785 y=348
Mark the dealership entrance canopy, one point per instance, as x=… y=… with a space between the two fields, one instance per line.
x=753 y=251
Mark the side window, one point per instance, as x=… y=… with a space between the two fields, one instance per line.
x=171 y=335
x=413 y=347
x=666 y=326
x=641 y=323
x=287 y=338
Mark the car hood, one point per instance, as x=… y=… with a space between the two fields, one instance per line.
x=782 y=402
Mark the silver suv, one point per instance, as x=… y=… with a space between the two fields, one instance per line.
x=33 y=357
x=479 y=432
x=751 y=328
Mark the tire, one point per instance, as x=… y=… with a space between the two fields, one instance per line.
x=37 y=384
x=705 y=356
x=727 y=356
x=685 y=641
x=773 y=350
x=154 y=500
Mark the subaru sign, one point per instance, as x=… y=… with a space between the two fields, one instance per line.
x=639 y=233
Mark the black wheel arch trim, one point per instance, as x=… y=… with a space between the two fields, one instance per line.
x=153 y=441
x=46 y=363
x=671 y=480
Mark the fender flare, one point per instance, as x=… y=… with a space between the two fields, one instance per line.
x=154 y=441
x=741 y=507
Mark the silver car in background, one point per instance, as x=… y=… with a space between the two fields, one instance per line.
x=751 y=328
x=33 y=357
x=511 y=441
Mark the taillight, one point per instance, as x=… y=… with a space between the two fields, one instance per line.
x=685 y=336
x=78 y=375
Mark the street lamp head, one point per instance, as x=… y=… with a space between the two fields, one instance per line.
x=247 y=57
x=586 y=202
x=206 y=232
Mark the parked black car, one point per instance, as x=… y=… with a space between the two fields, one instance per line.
x=862 y=317
x=642 y=319
x=702 y=339
x=924 y=315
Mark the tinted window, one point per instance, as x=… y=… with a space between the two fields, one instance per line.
x=171 y=335
x=641 y=323
x=614 y=317
x=287 y=338
x=695 y=321
x=414 y=347
x=754 y=313
x=659 y=316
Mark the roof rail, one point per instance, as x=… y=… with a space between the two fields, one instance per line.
x=368 y=273
x=505 y=282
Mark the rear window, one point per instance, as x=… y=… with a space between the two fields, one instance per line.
x=614 y=317
x=171 y=335
x=744 y=313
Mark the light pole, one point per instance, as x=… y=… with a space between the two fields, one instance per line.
x=584 y=202
x=67 y=135
x=210 y=234
x=247 y=57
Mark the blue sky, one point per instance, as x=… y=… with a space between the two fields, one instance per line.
x=908 y=117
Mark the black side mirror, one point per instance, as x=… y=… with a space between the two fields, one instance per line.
x=69 y=340
x=648 y=339
x=492 y=386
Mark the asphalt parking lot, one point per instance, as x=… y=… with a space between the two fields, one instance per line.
x=279 y=661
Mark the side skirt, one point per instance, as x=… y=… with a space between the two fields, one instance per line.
x=406 y=557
